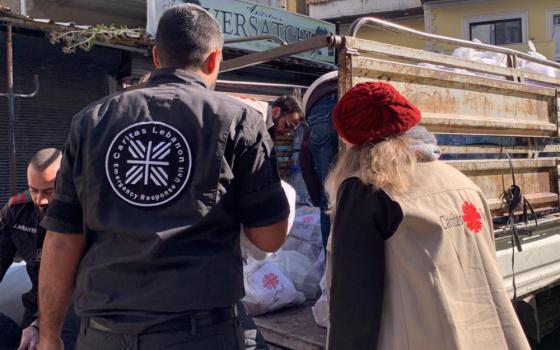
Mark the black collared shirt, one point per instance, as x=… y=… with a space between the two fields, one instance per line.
x=159 y=180
x=20 y=234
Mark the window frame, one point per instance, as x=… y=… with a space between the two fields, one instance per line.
x=550 y=14
x=510 y=20
x=501 y=17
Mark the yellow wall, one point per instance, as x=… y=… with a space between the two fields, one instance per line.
x=298 y=6
x=394 y=38
x=449 y=20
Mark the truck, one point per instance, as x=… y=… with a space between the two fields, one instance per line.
x=498 y=124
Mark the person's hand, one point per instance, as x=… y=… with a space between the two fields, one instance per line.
x=51 y=344
x=29 y=339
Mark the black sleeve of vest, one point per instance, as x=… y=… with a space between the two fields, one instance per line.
x=363 y=218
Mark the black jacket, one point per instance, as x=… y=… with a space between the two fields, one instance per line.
x=21 y=235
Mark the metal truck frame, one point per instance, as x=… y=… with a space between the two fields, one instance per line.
x=482 y=112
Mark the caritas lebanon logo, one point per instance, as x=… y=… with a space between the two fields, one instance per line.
x=472 y=217
x=270 y=281
x=148 y=164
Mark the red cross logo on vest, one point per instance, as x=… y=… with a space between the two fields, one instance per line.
x=472 y=217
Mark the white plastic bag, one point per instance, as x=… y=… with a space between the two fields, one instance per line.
x=320 y=263
x=306 y=223
x=537 y=67
x=300 y=270
x=487 y=57
x=321 y=307
x=305 y=235
x=267 y=288
x=468 y=53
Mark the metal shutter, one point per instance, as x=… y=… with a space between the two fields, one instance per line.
x=67 y=84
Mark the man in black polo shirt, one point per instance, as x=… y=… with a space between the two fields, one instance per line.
x=153 y=186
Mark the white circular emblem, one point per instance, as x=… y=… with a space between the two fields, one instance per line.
x=148 y=164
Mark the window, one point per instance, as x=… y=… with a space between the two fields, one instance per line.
x=556 y=26
x=500 y=32
x=552 y=22
x=498 y=29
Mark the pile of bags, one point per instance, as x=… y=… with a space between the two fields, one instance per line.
x=498 y=59
x=289 y=276
x=321 y=307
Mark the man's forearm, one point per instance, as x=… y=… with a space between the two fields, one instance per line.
x=268 y=238
x=61 y=257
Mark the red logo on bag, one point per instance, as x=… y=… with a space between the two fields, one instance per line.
x=472 y=217
x=270 y=281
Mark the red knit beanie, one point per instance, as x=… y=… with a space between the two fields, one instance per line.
x=372 y=112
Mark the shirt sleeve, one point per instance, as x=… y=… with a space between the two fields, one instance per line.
x=7 y=247
x=364 y=217
x=260 y=196
x=64 y=214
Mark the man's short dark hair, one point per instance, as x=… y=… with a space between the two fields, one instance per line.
x=44 y=158
x=185 y=36
x=288 y=104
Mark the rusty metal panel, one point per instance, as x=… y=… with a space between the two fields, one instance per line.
x=537 y=178
x=493 y=103
x=370 y=67
x=344 y=70
x=368 y=47
x=464 y=104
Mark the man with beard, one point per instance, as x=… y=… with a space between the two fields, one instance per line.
x=284 y=116
x=21 y=235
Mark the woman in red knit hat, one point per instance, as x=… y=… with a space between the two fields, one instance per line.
x=412 y=261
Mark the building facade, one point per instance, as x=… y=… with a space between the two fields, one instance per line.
x=123 y=12
x=511 y=23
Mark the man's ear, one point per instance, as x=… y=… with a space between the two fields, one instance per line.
x=155 y=57
x=276 y=111
x=213 y=61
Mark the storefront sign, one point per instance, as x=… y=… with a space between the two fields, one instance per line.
x=245 y=19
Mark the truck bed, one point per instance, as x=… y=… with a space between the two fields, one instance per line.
x=292 y=328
